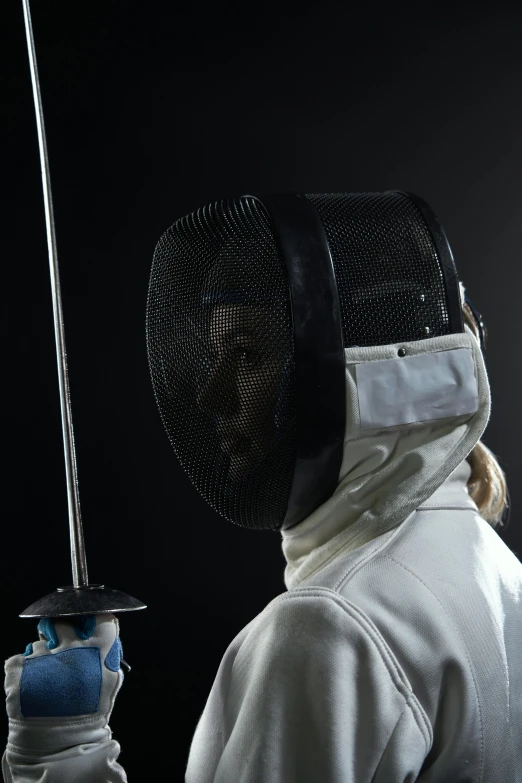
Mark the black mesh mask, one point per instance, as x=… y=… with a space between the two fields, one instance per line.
x=251 y=303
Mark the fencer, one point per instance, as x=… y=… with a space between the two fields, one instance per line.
x=319 y=372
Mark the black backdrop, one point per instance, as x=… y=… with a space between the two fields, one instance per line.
x=153 y=109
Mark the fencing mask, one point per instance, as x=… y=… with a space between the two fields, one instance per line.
x=252 y=301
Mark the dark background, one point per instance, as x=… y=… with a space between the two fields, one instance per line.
x=153 y=109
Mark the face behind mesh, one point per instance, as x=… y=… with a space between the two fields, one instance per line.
x=220 y=342
x=221 y=354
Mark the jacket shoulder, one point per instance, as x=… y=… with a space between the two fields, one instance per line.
x=328 y=637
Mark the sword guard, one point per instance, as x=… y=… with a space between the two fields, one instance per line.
x=89 y=599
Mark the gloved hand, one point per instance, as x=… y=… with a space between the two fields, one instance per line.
x=61 y=691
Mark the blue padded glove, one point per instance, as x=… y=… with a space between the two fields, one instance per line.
x=61 y=691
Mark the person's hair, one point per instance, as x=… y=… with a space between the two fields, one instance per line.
x=487 y=483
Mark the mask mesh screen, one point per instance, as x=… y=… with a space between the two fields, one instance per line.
x=220 y=349
x=220 y=341
x=391 y=287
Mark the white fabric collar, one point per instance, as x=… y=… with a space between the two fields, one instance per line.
x=388 y=473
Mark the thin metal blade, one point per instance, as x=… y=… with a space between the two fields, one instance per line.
x=80 y=598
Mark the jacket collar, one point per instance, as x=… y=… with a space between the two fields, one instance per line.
x=389 y=473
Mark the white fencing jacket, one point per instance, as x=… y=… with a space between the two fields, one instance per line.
x=395 y=654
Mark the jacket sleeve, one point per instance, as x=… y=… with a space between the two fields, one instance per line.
x=89 y=763
x=311 y=692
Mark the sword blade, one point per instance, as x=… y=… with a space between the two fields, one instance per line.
x=78 y=558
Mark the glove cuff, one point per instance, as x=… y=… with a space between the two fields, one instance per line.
x=37 y=736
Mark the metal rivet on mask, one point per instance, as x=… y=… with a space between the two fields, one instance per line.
x=401 y=352
x=422 y=298
x=427 y=330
